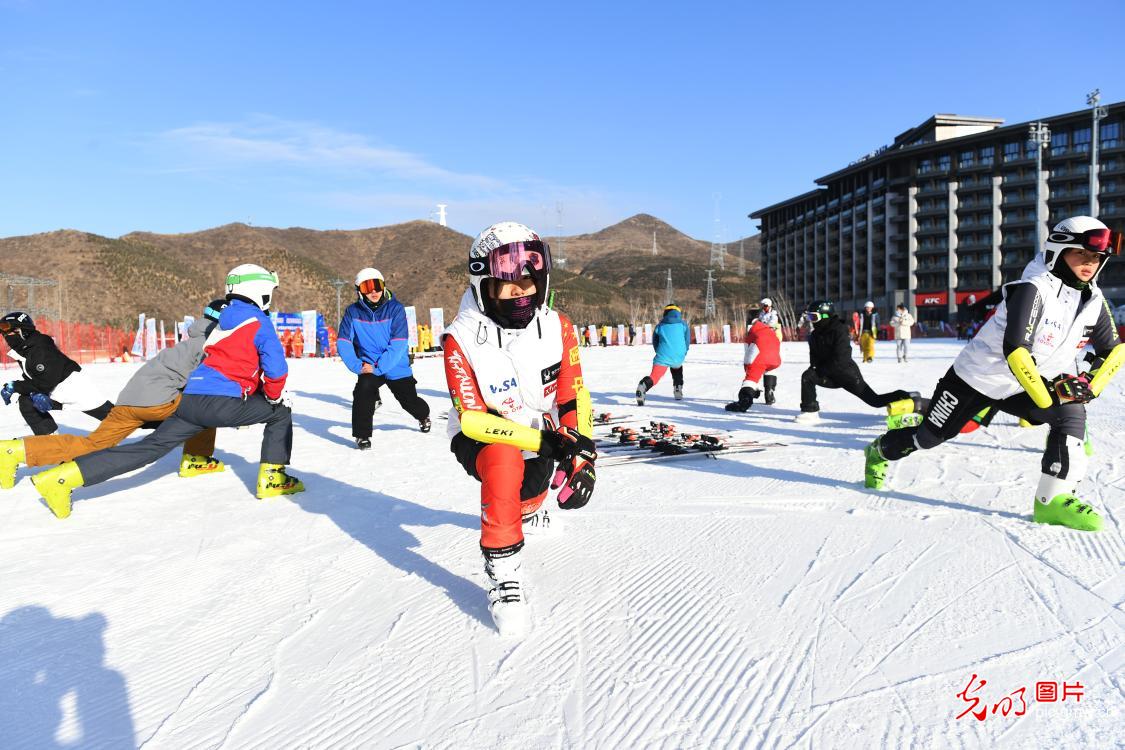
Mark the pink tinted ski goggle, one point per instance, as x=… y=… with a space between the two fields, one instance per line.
x=512 y=261
x=1101 y=241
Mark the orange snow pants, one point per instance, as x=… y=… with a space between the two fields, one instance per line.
x=505 y=480
x=121 y=422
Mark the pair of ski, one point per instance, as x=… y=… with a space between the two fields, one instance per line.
x=614 y=454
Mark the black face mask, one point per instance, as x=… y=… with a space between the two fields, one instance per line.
x=516 y=312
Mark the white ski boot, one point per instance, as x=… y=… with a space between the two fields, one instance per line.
x=807 y=417
x=678 y=392
x=506 y=598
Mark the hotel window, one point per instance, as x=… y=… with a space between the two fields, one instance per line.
x=943 y=163
x=1011 y=151
x=1060 y=142
x=1081 y=140
x=968 y=158
x=988 y=155
x=1110 y=133
x=1029 y=149
x=925 y=166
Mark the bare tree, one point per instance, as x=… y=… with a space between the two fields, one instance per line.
x=790 y=319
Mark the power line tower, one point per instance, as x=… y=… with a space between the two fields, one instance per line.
x=741 y=258
x=709 y=301
x=559 y=257
x=668 y=292
x=718 y=250
x=654 y=242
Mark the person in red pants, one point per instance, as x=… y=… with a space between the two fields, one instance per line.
x=762 y=354
x=513 y=371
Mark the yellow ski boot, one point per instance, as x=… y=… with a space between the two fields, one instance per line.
x=12 y=455
x=273 y=481
x=55 y=486
x=194 y=466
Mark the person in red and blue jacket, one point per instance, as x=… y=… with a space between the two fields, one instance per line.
x=373 y=344
x=241 y=381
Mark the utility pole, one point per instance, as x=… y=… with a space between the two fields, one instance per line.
x=1099 y=113
x=1039 y=134
x=668 y=293
x=741 y=257
x=709 y=301
x=654 y=242
x=339 y=284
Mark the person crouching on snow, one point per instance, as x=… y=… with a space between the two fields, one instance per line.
x=831 y=366
x=241 y=381
x=762 y=354
x=671 y=338
x=51 y=380
x=519 y=406
x=1023 y=362
x=151 y=396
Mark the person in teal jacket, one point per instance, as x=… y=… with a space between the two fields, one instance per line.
x=671 y=339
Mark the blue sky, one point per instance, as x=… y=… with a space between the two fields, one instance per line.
x=175 y=117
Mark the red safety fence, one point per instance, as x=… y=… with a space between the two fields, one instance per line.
x=85 y=343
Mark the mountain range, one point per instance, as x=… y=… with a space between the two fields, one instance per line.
x=609 y=275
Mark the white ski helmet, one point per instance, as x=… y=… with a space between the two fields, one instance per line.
x=1083 y=232
x=868 y=304
x=508 y=251
x=372 y=275
x=767 y=302
x=253 y=283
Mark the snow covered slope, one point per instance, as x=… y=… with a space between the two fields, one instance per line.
x=758 y=600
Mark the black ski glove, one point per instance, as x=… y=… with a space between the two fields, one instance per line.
x=565 y=443
x=1069 y=388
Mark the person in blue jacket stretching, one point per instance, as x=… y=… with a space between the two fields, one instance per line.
x=671 y=339
x=373 y=344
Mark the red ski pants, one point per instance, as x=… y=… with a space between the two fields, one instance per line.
x=501 y=472
x=760 y=366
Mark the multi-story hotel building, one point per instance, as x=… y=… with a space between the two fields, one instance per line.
x=943 y=216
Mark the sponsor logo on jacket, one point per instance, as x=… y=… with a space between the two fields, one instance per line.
x=551 y=373
x=465 y=387
x=504 y=387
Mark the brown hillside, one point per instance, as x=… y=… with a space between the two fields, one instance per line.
x=109 y=281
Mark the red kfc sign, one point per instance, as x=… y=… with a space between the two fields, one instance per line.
x=931 y=299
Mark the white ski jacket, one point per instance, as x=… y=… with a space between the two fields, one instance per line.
x=1047 y=317
x=516 y=370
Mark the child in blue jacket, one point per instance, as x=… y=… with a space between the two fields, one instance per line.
x=671 y=339
x=373 y=344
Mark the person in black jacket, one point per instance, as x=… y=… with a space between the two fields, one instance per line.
x=831 y=365
x=51 y=380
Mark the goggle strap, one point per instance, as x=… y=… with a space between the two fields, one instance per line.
x=239 y=278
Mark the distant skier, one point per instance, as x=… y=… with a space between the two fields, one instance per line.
x=150 y=396
x=671 y=338
x=51 y=380
x=372 y=342
x=513 y=371
x=868 y=331
x=902 y=322
x=831 y=366
x=769 y=316
x=762 y=353
x=241 y=381
x=1022 y=362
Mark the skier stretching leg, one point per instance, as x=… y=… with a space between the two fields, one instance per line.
x=671 y=338
x=1022 y=362
x=513 y=371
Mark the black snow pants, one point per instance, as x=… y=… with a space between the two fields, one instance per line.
x=853 y=383
x=366 y=393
